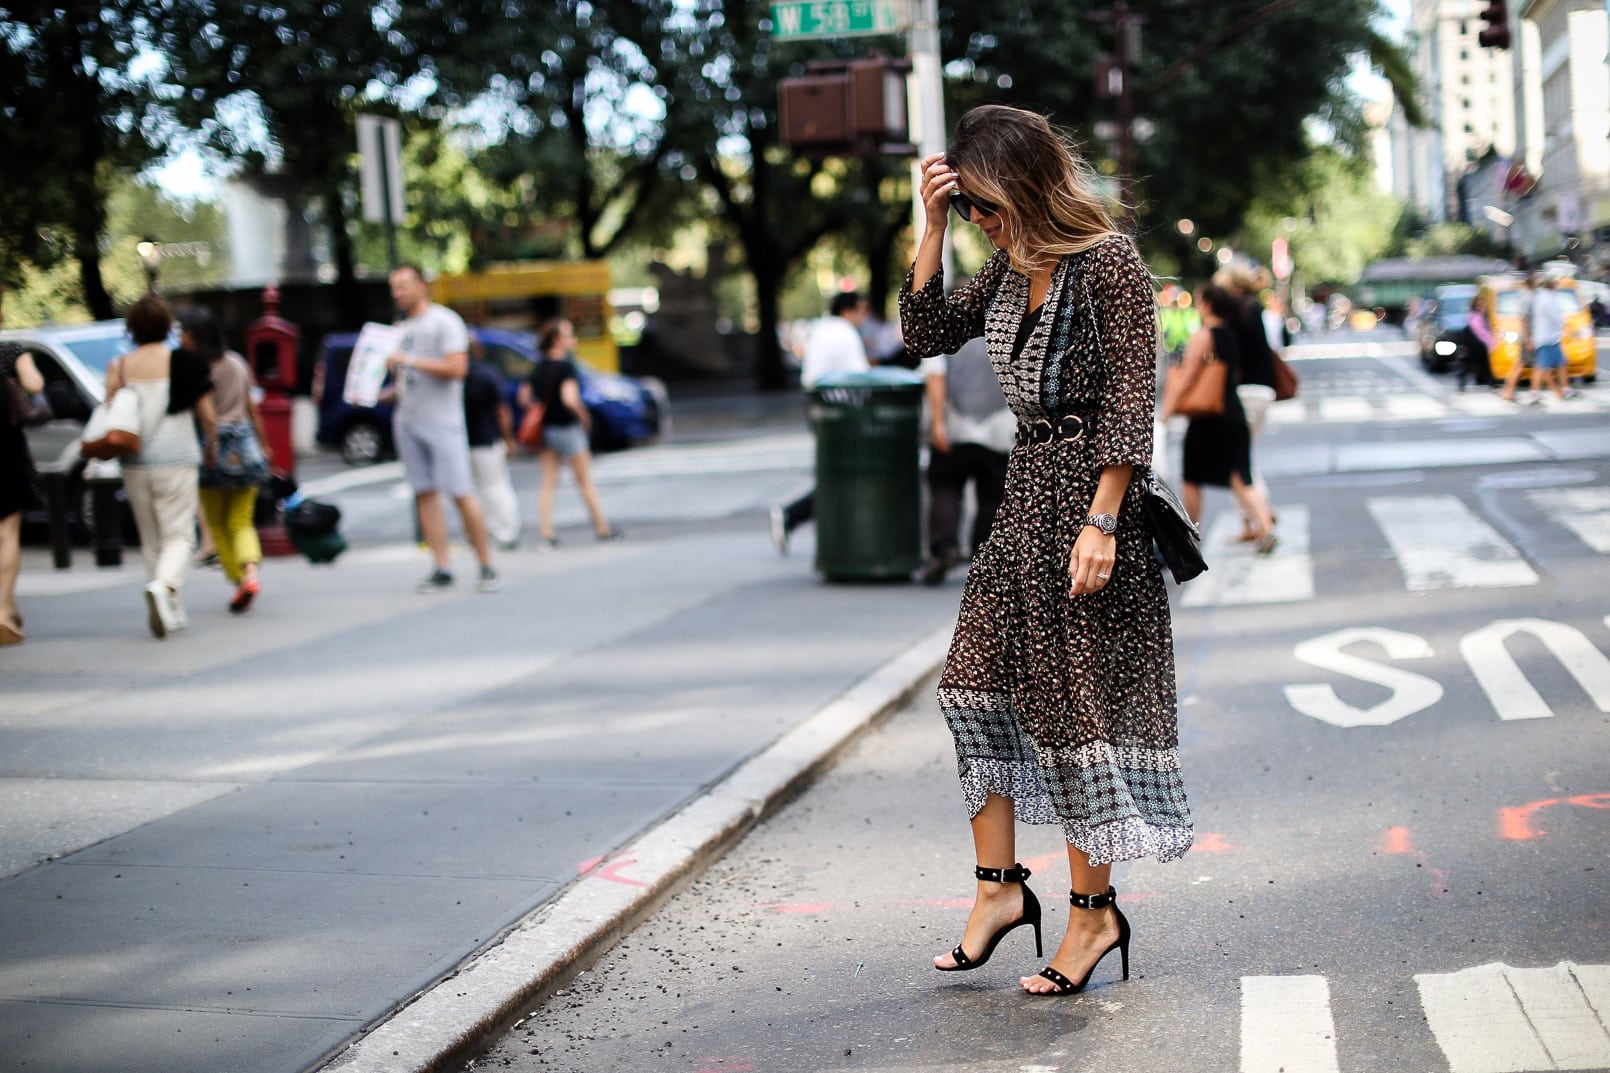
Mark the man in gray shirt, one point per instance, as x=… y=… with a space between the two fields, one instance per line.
x=428 y=426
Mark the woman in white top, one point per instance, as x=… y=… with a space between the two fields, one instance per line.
x=173 y=388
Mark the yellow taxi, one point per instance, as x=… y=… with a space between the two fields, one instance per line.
x=1504 y=300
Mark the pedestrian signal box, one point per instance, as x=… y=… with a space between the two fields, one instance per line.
x=1496 y=33
x=853 y=108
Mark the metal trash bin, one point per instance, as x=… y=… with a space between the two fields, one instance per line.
x=868 y=504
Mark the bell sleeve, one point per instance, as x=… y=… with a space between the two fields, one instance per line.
x=933 y=324
x=1126 y=314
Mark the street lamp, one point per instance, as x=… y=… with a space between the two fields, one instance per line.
x=150 y=252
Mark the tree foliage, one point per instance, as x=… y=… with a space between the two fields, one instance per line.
x=74 y=117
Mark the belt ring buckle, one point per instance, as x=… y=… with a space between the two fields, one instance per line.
x=1071 y=427
x=1040 y=431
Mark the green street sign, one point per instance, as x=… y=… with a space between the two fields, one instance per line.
x=838 y=18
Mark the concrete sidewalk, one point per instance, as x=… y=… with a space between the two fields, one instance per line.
x=245 y=847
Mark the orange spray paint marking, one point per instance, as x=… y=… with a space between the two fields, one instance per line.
x=1397 y=840
x=611 y=871
x=1211 y=842
x=1515 y=823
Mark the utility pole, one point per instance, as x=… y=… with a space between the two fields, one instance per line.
x=1112 y=80
x=925 y=91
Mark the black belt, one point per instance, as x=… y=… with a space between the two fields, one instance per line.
x=1041 y=430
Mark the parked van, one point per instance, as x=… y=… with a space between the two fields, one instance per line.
x=1504 y=298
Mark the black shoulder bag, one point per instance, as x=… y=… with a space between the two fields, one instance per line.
x=1177 y=539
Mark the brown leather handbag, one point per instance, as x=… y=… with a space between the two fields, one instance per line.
x=1285 y=384
x=1203 y=396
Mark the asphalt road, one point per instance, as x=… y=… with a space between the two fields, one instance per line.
x=1394 y=736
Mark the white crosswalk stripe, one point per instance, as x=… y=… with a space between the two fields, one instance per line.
x=1442 y=544
x=1437 y=541
x=1351 y=407
x=1488 y=1019
x=1286 y=1025
x=1237 y=575
x=1499 y=1019
x=1584 y=511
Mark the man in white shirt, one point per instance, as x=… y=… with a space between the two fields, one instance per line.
x=428 y=425
x=835 y=346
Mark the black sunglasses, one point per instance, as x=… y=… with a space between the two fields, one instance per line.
x=964 y=206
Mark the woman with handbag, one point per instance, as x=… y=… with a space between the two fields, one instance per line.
x=229 y=485
x=171 y=388
x=561 y=428
x=1218 y=441
x=19 y=382
x=1059 y=687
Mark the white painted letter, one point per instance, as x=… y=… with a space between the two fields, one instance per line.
x=1410 y=692
x=1508 y=689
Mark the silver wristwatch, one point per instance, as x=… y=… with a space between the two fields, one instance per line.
x=1105 y=522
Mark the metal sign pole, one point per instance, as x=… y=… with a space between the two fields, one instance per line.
x=925 y=90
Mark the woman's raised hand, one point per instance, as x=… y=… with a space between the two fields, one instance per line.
x=938 y=180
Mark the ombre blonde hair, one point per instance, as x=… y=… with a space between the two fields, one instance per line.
x=1046 y=194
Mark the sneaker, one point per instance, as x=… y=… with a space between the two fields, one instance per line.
x=548 y=543
x=245 y=593
x=779 y=531
x=488 y=581
x=159 y=614
x=438 y=581
x=612 y=534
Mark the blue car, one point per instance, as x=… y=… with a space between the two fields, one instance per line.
x=626 y=410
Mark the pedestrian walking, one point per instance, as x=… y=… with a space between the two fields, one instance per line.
x=19 y=480
x=1218 y=449
x=566 y=427
x=835 y=346
x=490 y=425
x=1544 y=322
x=428 y=425
x=1477 y=366
x=1260 y=333
x=229 y=484
x=174 y=393
x=970 y=432
x=1059 y=686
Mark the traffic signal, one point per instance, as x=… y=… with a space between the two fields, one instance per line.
x=1496 y=16
x=839 y=107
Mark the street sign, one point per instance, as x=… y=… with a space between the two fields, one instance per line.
x=798 y=19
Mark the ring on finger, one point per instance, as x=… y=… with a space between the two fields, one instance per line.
x=1104 y=577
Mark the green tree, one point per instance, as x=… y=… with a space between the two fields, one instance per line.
x=74 y=119
x=1228 y=90
x=1332 y=214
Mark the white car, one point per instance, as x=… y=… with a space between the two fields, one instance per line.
x=73 y=361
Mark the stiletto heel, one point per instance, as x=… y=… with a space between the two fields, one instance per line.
x=1031 y=916
x=1065 y=986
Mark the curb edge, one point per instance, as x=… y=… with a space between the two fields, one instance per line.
x=455 y=1019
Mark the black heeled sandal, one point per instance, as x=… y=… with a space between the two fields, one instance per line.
x=1031 y=915
x=1066 y=986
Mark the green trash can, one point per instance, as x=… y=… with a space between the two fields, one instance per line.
x=868 y=482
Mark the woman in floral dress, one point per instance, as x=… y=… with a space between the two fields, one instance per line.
x=1059 y=687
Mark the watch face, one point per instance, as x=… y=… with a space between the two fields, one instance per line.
x=1105 y=522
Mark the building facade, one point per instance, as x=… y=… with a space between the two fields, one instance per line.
x=1561 y=90
x=1467 y=95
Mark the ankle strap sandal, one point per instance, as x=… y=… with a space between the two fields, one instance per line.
x=1091 y=901
x=1015 y=874
x=1029 y=918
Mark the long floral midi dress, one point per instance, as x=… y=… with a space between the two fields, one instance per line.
x=1064 y=704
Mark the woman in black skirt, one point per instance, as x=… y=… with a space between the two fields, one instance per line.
x=1218 y=449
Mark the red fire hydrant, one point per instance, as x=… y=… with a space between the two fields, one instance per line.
x=271 y=348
